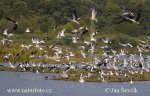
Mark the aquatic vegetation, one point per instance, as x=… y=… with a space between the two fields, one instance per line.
x=96 y=77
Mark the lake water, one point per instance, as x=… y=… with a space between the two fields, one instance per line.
x=25 y=80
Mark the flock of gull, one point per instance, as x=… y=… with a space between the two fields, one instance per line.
x=110 y=59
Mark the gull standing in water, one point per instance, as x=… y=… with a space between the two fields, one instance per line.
x=131 y=81
x=82 y=78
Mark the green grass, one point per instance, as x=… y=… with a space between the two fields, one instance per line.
x=74 y=76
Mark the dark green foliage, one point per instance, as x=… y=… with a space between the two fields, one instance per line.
x=131 y=29
x=43 y=15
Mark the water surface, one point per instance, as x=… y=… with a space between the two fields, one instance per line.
x=26 y=80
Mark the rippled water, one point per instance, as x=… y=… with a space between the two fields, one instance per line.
x=27 y=80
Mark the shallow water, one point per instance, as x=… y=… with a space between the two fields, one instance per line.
x=78 y=65
x=25 y=80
